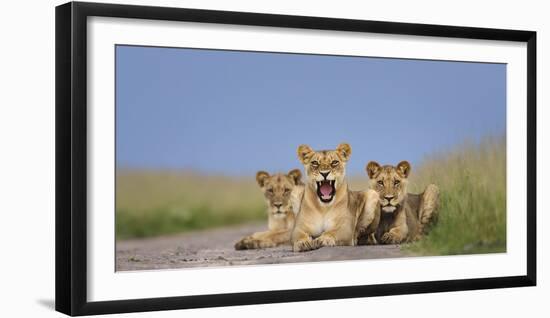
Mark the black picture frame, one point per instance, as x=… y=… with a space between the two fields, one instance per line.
x=71 y=157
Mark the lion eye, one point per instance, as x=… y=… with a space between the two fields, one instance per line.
x=380 y=182
x=287 y=191
x=270 y=190
x=396 y=182
x=315 y=163
x=335 y=163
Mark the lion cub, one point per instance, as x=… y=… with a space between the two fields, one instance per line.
x=330 y=213
x=404 y=216
x=283 y=194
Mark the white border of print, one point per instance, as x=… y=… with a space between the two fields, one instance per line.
x=106 y=284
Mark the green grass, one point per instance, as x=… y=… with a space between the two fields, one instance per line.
x=472 y=181
x=150 y=203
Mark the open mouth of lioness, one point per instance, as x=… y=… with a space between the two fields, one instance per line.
x=326 y=190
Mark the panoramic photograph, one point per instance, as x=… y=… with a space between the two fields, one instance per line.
x=236 y=158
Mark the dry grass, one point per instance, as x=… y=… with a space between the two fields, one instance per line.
x=472 y=180
x=162 y=202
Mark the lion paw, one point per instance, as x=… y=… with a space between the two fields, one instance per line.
x=325 y=240
x=304 y=246
x=247 y=243
x=390 y=238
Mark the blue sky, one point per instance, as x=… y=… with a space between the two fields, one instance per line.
x=235 y=112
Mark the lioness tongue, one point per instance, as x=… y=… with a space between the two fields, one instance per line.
x=326 y=189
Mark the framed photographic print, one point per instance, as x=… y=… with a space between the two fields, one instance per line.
x=227 y=158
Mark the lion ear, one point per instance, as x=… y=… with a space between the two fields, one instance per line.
x=305 y=153
x=344 y=151
x=373 y=168
x=261 y=177
x=404 y=168
x=296 y=176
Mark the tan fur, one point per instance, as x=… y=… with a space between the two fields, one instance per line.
x=330 y=218
x=404 y=216
x=368 y=216
x=282 y=193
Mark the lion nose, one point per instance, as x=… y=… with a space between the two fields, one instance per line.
x=324 y=174
x=278 y=205
x=388 y=197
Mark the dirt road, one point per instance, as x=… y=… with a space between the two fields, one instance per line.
x=215 y=248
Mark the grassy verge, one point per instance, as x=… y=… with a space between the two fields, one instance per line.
x=151 y=203
x=472 y=180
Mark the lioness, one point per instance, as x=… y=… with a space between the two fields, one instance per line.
x=330 y=213
x=283 y=195
x=404 y=216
